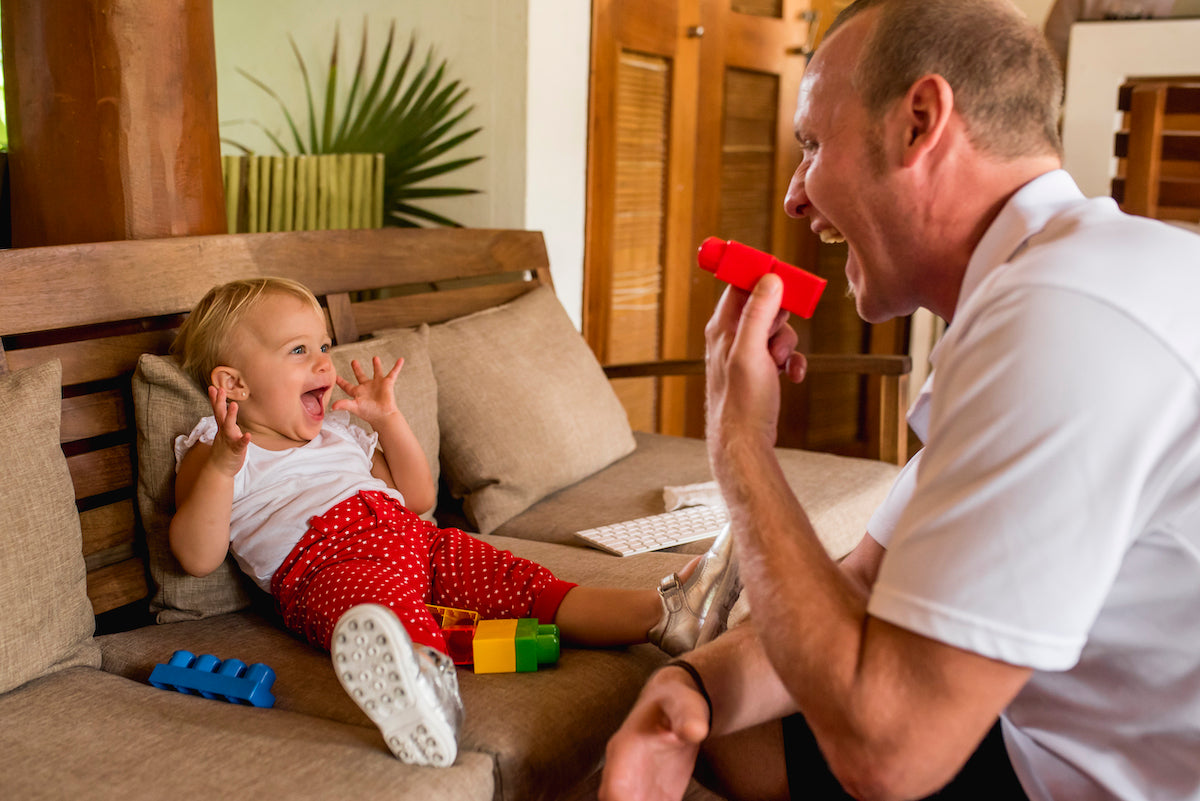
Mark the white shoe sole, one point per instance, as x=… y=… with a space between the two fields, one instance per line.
x=373 y=661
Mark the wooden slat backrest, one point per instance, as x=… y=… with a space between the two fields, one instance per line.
x=97 y=307
x=1159 y=149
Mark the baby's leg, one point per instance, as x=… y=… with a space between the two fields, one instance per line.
x=352 y=556
x=471 y=574
x=605 y=616
x=334 y=589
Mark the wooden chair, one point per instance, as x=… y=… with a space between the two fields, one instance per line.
x=1158 y=172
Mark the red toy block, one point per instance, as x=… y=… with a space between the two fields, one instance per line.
x=742 y=266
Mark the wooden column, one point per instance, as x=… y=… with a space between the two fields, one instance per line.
x=112 y=120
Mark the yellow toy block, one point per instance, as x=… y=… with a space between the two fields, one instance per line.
x=514 y=646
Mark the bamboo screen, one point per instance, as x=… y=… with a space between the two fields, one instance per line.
x=643 y=91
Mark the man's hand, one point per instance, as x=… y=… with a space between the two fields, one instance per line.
x=371 y=399
x=653 y=754
x=749 y=344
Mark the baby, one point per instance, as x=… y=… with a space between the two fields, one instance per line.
x=325 y=518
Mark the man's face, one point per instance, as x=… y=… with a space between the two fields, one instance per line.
x=844 y=182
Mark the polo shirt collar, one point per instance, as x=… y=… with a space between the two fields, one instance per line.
x=1026 y=213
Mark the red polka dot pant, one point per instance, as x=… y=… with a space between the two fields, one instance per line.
x=370 y=549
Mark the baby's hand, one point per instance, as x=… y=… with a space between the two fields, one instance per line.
x=229 y=445
x=372 y=399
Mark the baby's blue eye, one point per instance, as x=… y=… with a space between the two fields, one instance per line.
x=324 y=349
x=298 y=349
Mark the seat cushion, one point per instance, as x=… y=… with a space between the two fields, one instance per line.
x=546 y=731
x=47 y=618
x=70 y=734
x=839 y=493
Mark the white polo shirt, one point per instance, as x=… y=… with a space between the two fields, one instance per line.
x=1053 y=518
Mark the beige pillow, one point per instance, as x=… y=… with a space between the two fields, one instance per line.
x=48 y=620
x=168 y=403
x=523 y=406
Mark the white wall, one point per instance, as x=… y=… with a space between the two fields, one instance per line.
x=556 y=139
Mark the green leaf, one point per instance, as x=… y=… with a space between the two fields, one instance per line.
x=312 y=117
x=402 y=211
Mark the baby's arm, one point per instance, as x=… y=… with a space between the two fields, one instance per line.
x=403 y=466
x=199 y=533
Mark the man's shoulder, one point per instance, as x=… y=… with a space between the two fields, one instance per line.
x=1134 y=263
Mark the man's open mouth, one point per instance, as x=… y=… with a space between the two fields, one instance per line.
x=831 y=236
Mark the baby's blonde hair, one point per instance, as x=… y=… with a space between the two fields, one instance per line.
x=202 y=338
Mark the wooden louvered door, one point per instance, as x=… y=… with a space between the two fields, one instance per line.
x=641 y=189
x=690 y=136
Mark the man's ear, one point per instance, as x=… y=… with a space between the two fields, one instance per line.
x=927 y=109
x=229 y=379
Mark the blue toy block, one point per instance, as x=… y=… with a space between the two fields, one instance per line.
x=208 y=676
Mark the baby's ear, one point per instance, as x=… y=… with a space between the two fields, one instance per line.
x=228 y=379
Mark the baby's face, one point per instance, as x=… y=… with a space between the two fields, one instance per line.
x=281 y=349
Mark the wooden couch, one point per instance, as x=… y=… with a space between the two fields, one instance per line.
x=81 y=719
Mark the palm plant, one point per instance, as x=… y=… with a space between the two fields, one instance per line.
x=411 y=121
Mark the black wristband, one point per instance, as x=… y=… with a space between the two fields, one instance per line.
x=695 y=674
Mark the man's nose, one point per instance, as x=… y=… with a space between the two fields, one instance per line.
x=795 y=202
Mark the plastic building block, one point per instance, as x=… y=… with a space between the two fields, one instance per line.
x=742 y=266
x=514 y=646
x=205 y=675
x=458 y=627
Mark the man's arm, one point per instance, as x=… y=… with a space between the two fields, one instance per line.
x=896 y=713
x=653 y=754
x=861 y=565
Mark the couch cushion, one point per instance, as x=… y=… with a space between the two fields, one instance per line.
x=523 y=406
x=838 y=493
x=83 y=733
x=48 y=620
x=168 y=403
x=546 y=730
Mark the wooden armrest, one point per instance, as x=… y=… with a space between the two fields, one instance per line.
x=886 y=424
x=818 y=363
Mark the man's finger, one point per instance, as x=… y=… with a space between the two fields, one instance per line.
x=760 y=312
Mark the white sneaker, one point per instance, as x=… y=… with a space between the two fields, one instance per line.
x=409 y=691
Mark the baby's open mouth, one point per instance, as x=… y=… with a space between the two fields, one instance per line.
x=831 y=236
x=313 y=401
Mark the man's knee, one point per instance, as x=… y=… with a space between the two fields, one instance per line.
x=746 y=766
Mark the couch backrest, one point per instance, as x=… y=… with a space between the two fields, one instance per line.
x=96 y=307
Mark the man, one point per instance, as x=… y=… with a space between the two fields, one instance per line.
x=1033 y=627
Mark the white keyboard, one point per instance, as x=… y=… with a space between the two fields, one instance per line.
x=658 y=531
